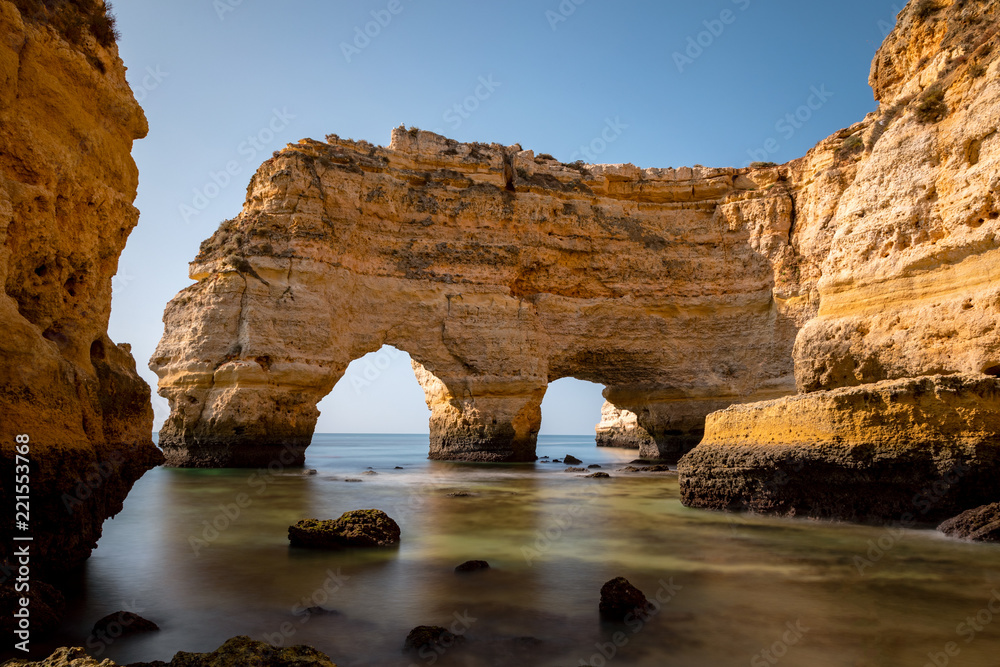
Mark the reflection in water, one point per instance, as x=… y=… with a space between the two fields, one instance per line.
x=205 y=555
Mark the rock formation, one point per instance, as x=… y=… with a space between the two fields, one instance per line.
x=981 y=524
x=67 y=183
x=909 y=248
x=498 y=271
x=870 y=452
x=620 y=428
x=236 y=651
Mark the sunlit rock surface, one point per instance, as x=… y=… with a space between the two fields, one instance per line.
x=67 y=183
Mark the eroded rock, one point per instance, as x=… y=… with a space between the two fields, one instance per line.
x=358 y=528
x=923 y=448
x=981 y=524
x=67 y=183
x=620 y=428
x=620 y=600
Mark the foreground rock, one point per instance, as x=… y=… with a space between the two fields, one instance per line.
x=241 y=651
x=473 y=566
x=979 y=525
x=121 y=624
x=924 y=448
x=359 y=528
x=430 y=636
x=620 y=428
x=67 y=183
x=621 y=600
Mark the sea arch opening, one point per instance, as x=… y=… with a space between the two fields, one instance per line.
x=378 y=393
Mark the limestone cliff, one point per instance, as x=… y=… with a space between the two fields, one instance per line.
x=908 y=253
x=620 y=428
x=67 y=183
x=499 y=271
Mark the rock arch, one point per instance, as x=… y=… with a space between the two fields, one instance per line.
x=677 y=289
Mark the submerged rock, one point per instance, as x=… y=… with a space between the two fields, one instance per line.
x=575 y=470
x=571 y=460
x=121 y=624
x=619 y=599
x=594 y=466
x=424 y=636
x=979 y=525
x=599 y=475
x=359 y=528
x=316 y=611
x=473 y=566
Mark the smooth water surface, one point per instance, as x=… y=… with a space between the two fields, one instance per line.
x=733 y=585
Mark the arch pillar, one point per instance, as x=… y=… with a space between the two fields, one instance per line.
x=482 y=418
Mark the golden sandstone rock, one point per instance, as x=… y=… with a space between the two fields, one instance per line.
x=659 y=283
x=909 y=286
x=620 y=428
x=874 y=258
x=67 y=183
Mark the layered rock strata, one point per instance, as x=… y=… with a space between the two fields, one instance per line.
x=918 y=448
x=67 y=183
x=498 y=271
x=909 y=286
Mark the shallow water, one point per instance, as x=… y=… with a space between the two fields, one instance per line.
x=553 y=538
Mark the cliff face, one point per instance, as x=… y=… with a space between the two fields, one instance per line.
x=499 y=271
x=911 y=285
x=909 y=260
x=67 y=183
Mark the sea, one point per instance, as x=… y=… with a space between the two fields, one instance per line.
x=205 y=555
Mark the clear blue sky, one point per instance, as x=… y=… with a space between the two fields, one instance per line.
x=234 y=80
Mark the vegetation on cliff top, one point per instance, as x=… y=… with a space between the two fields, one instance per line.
x=73 y=19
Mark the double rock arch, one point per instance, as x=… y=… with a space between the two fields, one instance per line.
x=498 y=272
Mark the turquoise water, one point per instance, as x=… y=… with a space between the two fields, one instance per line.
x=736 y=584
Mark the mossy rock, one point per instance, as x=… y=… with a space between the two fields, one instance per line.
x=357 y=529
